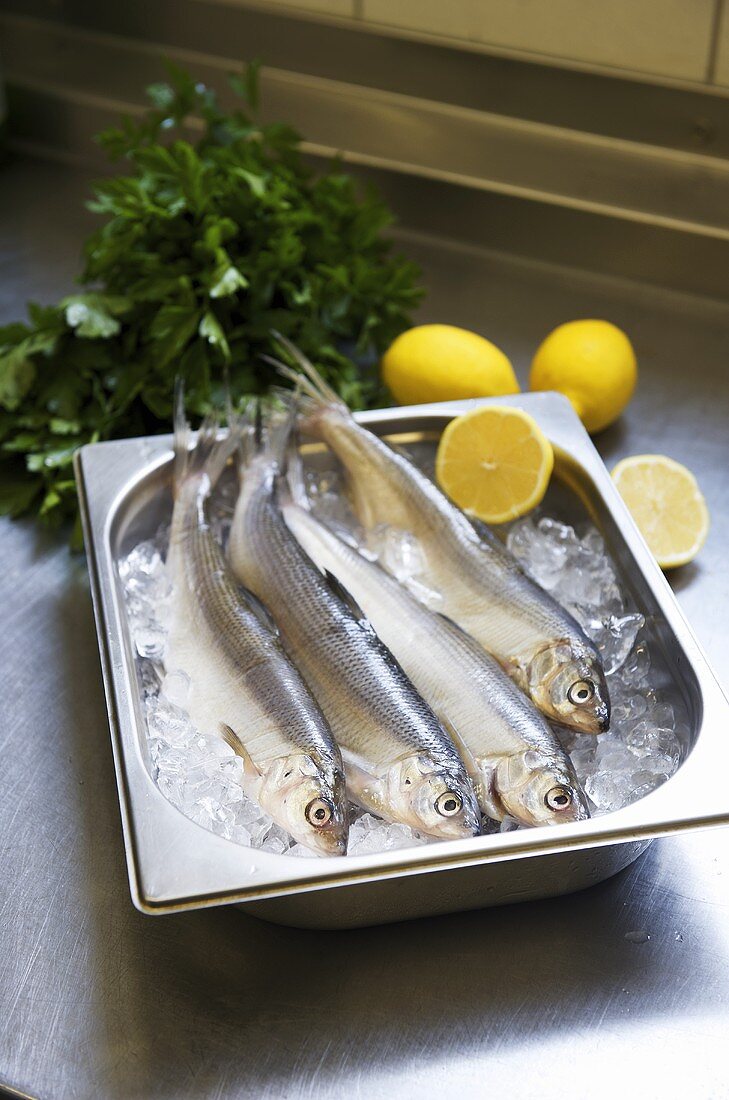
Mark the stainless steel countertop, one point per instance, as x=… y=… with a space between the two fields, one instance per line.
x=97 y=1000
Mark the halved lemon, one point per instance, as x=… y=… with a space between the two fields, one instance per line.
x=666 y=503
x=494 y=462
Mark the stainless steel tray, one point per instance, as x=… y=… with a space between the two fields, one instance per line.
x=175 y=864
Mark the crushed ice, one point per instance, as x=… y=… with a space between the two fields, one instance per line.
x=201 y=774
x=643 y=746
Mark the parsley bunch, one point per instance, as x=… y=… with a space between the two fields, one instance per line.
x=205 y=247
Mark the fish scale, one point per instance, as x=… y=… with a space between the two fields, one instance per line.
x=487 y=714
x=242 y=686
x=277 y=710
x=376 y=715
x=379 y=715
x=481 y=587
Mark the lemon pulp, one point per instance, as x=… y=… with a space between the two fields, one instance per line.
x=666 y=503
x=494 y=462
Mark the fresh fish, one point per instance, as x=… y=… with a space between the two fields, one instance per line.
x=517 y=765
x=242 y=685
x=400 y=762
x=482 y=587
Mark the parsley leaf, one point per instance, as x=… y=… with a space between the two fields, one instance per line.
x=204 y=245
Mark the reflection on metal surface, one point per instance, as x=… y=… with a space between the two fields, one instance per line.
x=174 y=864
x=526 y=172
x=476 y=148
x=98 y=1001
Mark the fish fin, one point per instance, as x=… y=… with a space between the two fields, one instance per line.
x=486 y=788
x=347 y=599
x=460 y=744
x=263 y=429
x=261 y=612
x=181 y=427
x=232 y=739
x=364 y=788
x=210 y=452
x=295 y=483
x=305 y=375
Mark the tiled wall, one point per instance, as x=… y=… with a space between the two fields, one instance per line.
x=683 y=39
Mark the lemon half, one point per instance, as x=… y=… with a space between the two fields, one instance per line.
x=666 y=503
x=494 y=462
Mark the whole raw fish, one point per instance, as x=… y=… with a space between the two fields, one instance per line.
x=482 y=587
x=242 y=685
x=400 y=762
x=517 y=765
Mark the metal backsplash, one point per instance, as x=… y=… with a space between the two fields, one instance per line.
x=620 y=176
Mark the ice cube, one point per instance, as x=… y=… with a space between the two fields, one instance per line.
x=172 y=787
x=542 y=549
x=202 y=776
x=176 y=687
x=168 y=722
x=615 y=636
x=150 y=641
x=613 y=756
x=369 y=834
x=662 y=714
x=657 y=748
x=143 y=573
x=637 y=666
x=583 y=761
x=627 y=709
x=608 y=791
x=398 y=550
x=240 y=834
x=275 y=840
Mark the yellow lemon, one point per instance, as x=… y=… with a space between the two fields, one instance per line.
x=593 y=364
x=666 y=503
x=444 y=363
x=494 y=462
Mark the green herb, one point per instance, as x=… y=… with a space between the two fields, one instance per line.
x=205 y=247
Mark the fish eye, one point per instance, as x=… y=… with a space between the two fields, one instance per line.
x=319 y=813
x=559 y=798
x=581 y=692
x=448 y=804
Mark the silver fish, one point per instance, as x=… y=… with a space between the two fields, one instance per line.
x=517 y=765
x=400 y=763
x=483 y=588
x=242 y=685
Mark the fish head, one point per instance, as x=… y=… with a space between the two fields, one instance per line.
x=567 y=682
x=308 y=802
x=432 y=799
x=537 y=789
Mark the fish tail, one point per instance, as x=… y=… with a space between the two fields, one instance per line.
x=314 y=391
x=209 y=453
x=294 y=481
x=242 y=427
x=263 y=430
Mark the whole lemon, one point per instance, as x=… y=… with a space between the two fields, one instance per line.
x=444 y=363
x=593 y=364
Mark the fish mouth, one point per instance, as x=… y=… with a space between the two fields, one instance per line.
x=463 y=830
x=333 y=845
x=596 y=720
x=469 y=824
